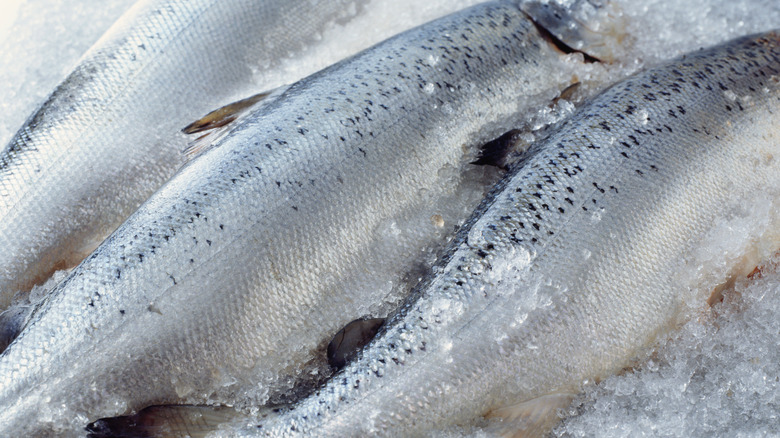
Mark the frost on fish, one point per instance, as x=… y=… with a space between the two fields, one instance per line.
x=570 y=268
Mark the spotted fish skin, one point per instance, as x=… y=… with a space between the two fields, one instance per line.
x=246 y=262
x=106 y=138
x=566 y=272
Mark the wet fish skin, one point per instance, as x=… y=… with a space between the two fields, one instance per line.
x=106 y=138
x=567 y=271
x=247 y=261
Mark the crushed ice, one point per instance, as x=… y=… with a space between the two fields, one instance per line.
x=718 y=375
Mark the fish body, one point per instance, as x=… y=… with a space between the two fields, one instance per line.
x=243 y=266
x=568 y=269
x=108 y=136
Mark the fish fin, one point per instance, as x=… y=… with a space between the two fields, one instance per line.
x=215 y=124
x=12 y=321
x=749 y=266
x=198 y=146
x=595 y=29
x=566 y=94
x=531 y=418
x=224 y=115
x=496 y=152
x=506 y=149
x=173 y=421
x=348 y=341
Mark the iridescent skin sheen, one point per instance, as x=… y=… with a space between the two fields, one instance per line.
x=567 y=271
x=243 y=265
x=108 y=136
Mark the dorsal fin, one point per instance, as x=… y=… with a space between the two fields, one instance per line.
x=223 y=115
x=349 y=340
x=215 y=124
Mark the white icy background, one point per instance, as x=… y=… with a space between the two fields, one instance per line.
x=719 y=373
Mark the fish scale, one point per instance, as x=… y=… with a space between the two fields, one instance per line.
x=567 y=271
x=239 y=269
x=88 y=157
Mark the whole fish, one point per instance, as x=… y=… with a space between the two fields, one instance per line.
x=108 y=137
x=241 y=267
x=567 y=271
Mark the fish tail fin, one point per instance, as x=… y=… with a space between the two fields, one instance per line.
x=531 y=418
x=173 y=421
x=597 y=29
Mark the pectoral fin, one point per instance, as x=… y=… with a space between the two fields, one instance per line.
x=12 y=321
x=496 y=152
x=532 y=418
x=164 y=422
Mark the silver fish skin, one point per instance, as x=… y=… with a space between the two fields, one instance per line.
x=245 y=263
x=567 y=271
x=107 y=137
